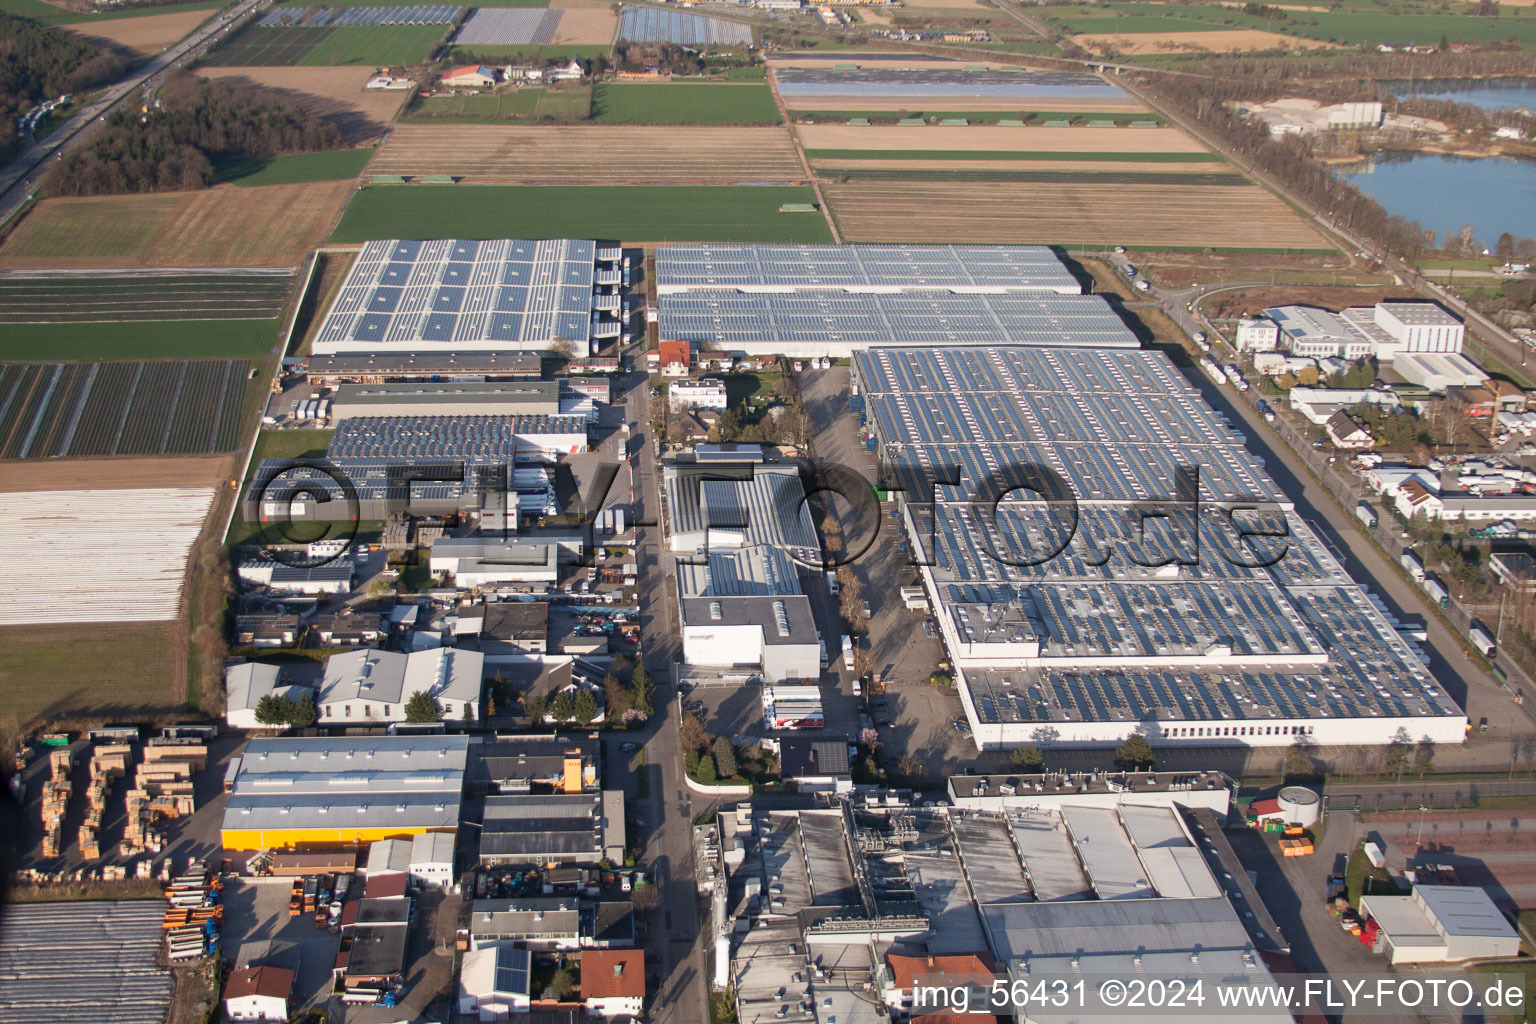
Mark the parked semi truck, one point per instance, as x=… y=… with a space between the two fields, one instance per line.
x=1437 y=592
x=1367 y=515
x=1481 y=639
x=1413 y=566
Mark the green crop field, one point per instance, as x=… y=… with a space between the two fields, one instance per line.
x=327 y=45
x=140 y=339
x=530 y=103
x=1351 y=22
x=683 y=103
x=1010 y=154
x=106 y=297
x=338 y=165
x=662 y=213
x=112 y=668
x=402 y=3
x=51 y=14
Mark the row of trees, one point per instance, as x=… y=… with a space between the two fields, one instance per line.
x=575 y=705
x=177 y=144
x=629 y=702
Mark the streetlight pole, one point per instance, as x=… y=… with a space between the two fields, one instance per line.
x=1422 y=809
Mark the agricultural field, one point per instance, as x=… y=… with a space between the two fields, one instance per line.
x=529 y=103
x=589 y=153
x=167 y=407
x=103 y=298
x=336 y=94
x=592 y=26
x=632 y=213
x=528 y=54
x=1243 y=40
x=1031 y=118
x=57 y=14
x=118 y=668
x=1239 y=215
x=683 y=103
x=1347 y=24
x=225 y=226
x=140 y=339
x=147 y=35
x=296 y=168
x=328 y=45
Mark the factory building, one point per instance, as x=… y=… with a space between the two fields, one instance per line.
x=483 y=561
x=555 y=828
x=1384 y=331
x=1439 y=924
x=746 y=524
x=373 y=687
x=1171 y=619
x=330 y=370
x=344 y=790
x=501 y=295
x=471 y=398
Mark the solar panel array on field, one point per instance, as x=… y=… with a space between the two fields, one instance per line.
x=1040 y=85
x=98 y=556
x=648 y=25
x=511 y=26
x=703 y=267
x=166 y=407
x=418 y=15
x=731 y=320
x=499 y=293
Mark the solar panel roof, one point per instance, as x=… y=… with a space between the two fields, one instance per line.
x=464 y=294
x=704 y=267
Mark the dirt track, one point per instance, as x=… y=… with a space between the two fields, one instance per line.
x=983 y=137
x=1005 y=212
x=589 y=153
x=336 y=94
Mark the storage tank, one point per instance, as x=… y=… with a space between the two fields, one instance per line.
x=1301 y=805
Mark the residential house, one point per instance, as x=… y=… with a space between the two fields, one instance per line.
x=266 y=630
x=613 y=982
x=675 y=358
x=343 y=629
x=258 y=994
x=517 y=625
x=567 y=72
x=1347 y=432
x=903 y=972
x=244 y=686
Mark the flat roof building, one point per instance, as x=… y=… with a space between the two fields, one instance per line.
x=459 y=398
x=336 y=368
x=1440 y=924
x=1149 y=613
x=471 y=296
x=337 y=791
x=521 y=764
x=493 y=981
x=565 y=828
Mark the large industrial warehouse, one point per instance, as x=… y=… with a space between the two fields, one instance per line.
x=1121 y=613
x=342 y=790
x=492 y=295
x=811 y=300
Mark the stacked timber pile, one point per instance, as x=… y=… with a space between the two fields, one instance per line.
x=162 y=789
x=108 y=764
x=56 y=793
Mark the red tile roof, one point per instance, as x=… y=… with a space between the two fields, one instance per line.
x=1259 y=807
x=276 y=982
x=675 y=352
x=468 y=69
x=906 y=968
x=385 y=885
x=955 y=1018
x=612 y=973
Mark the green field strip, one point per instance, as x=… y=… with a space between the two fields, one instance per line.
x=1011 y=154
x=1042 y=177
x=139 y=339
x=51 y=14
x=530 y=103
x=297 y=168
x=635 y=213
x=112 y=299
x=684 y=103
x=377 y=45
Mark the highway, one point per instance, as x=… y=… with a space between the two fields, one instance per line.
x=20 y=179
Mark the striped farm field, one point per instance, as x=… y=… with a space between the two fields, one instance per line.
x=224 y=226
x=102 y=298
x=1133 y=143
x=1072 y=213
x=584 y=154
x=684 y=103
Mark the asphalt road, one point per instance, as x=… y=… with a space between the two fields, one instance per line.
x=21 y=177
x=676 y=941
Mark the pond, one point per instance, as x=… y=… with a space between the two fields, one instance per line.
x=1488 y=93
x=1493 y=194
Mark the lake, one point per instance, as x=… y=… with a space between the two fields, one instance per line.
x=1493 y=194
x=1488 y=93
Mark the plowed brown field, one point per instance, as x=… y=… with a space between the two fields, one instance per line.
x=336 y=94
x=589 y=154
x=147 y=35
x=1218 y=41
x=225 y=226
x=1198 y=215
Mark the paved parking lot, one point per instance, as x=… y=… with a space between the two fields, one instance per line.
x=257 y=929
